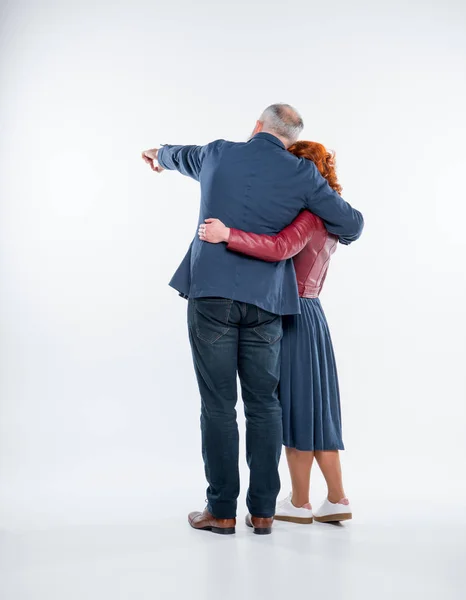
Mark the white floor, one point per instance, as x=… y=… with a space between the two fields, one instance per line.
x=374 y=559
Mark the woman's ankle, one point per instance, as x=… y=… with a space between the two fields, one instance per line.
x=336 y=497
x=300 y=501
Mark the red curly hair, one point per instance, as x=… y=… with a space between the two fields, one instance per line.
x=323 y=159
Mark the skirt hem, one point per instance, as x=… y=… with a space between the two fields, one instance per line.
x=327 y=449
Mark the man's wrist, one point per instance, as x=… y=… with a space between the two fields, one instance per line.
x=227 y=235
x=159 y=156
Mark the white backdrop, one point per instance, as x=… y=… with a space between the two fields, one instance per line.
x=99 y=407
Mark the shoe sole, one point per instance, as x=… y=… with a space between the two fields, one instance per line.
x=218 y=530
x=299 y=520
x=223 y=530
x=333 y=518
x=260 y=530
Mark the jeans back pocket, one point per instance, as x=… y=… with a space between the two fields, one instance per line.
x=211 y=318
x=269 y=326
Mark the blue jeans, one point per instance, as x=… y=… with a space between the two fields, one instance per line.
x=230 y=338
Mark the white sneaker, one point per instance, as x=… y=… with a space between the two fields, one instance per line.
x=286 y=511
x=332 y=513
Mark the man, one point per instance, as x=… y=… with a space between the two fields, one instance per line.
x=235 y=302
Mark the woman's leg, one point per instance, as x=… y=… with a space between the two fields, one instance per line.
x=329 y=463
x=300 y=464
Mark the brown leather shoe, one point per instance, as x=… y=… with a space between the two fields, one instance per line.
x=207 y=522
x=260 y=525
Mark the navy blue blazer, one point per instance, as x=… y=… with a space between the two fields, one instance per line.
x=256 y=186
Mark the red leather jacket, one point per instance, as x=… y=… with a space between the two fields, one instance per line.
x=306 y=240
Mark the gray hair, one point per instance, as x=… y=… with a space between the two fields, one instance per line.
x=282 y=120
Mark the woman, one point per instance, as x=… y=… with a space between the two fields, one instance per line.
x=309 y=391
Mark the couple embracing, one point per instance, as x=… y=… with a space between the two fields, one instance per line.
x=271 y=216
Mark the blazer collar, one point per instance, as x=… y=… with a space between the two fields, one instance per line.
x=270 y=138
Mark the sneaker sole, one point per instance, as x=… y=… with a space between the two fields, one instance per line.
x=299 y=520
x=333 y=518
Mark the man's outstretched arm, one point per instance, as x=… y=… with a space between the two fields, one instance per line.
x=185 y=159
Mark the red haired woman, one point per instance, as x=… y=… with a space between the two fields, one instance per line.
x=309 y=391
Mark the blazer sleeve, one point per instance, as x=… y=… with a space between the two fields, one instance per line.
x=273 y=248
x=187 y=160
x=339 y=217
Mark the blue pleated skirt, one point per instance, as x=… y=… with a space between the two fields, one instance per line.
x=309 y=391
